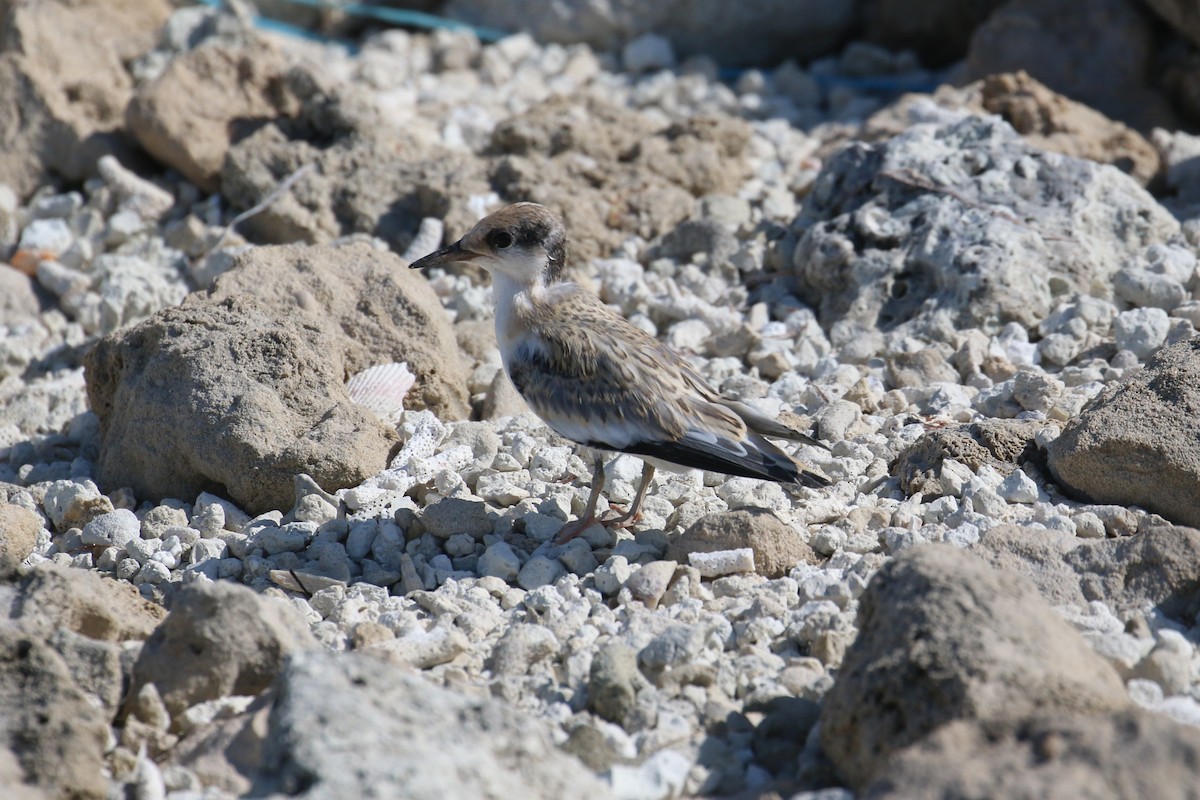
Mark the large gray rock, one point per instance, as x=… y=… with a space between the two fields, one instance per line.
x=61 y=674
x=219 y=639
x=233 y=398
x=1128 y=755
x=759 y=32
x=346 y=725
x=963 y=225
x=1039 y=555
x=943 y=637
x=1137 y=443
x=1046 y=119
x=576 y=154
x=1158 y=567
x=12 y=778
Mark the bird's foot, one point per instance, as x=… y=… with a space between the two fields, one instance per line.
x=573 y=529
x=622 y=521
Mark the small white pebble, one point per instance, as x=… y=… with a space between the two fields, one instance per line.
x=723 y=562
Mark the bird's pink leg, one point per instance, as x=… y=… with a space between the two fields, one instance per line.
x=630 y=516
x=573 y=529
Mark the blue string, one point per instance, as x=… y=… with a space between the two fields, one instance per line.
x=394 y=16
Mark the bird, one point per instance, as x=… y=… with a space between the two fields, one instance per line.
x=599 y=380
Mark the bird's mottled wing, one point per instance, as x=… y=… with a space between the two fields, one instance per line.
x=600 y=381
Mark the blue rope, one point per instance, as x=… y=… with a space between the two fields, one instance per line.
x=393 y=16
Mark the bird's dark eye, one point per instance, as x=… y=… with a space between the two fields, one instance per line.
x=500 y=240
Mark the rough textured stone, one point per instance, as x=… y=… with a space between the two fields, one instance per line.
x=777 y=547
x=919 y=369
x=18 y=299
x=232 y=398
x=1157 y=567
x=454 y=515
x=58 y=734
x=381 y=310
x=366 y=175
x=67 y=102
x=1128 y=755
x=1160 y=566
x=219 y=639
x=95 y=666
x=227 y=752
x=944 y=637
x=1001 y=444
x=962 y=225
x=1055 y=122
x=188 y=117
x=614 y=682
x=656 y=171
x=19 y=528
x=1137 y=443
x=1039 y=555
x=86 y=603
x=12 y=778
x=334 y=728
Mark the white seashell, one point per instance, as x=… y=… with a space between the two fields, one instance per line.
x=382 y=389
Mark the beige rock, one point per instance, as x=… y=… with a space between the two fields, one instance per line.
x=338 y=716
x=55 y=730
x=1128 y=755
x=232 y=394
x=18 y=300
x=219 y=639
x=85 y=603
x=227 y=752
x=189 y=116
x=1002 y=444
x=19 y=528
x=943 y=637
x=777 y=547
x=384 y=311
x=1054 y=122
x=67 y=101
x=919 y=369
x=1046 y=119
x=1102 y=58
x=1157 y=566
x=1137 y=442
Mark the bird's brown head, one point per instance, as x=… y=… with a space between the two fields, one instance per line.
x=526 y=242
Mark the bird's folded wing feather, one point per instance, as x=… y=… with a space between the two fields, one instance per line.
x=600 y=381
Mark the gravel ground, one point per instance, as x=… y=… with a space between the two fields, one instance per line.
x=994 y=333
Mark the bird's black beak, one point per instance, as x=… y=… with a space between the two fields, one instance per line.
x=447 y=255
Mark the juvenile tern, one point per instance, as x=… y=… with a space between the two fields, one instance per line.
x=600 y=381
